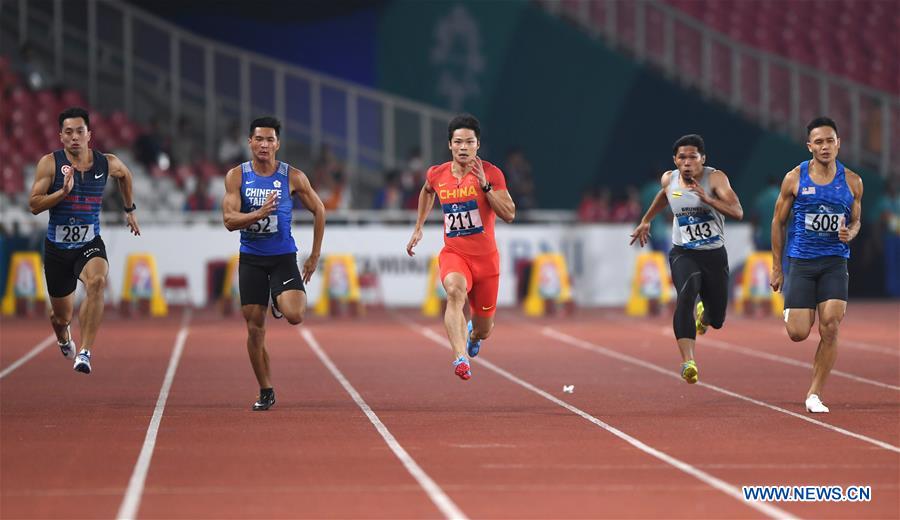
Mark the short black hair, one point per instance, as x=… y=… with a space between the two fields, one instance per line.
x=689 y=140
x=464 y=121
x=266 y=122
x=821 y=121
x=72 y=112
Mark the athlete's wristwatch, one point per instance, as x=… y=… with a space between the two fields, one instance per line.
x=132 y=208
x=487 y=187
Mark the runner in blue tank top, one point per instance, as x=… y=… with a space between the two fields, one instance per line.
x=258 y=203
x=826 y=201
x=70 y=183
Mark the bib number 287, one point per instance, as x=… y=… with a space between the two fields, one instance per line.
x=74 y=233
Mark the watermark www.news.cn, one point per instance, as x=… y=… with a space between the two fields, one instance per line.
x=807 y=493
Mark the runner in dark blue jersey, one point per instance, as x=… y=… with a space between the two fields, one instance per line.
x=70 y=183
x=258 y=203
x=826 y=201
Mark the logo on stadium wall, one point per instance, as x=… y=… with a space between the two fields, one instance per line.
x=458 y=56
x=66 y=169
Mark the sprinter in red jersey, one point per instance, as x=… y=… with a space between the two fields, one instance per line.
x=472 y=193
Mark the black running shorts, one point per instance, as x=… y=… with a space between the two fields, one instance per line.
x=259 y=276
x=812 y=281
x=62 y=267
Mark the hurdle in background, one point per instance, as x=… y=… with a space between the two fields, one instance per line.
x=340 y=287
x=25 y=290
x=141 y=287
x=651 y=285
x=549 y=286
x=753 y=292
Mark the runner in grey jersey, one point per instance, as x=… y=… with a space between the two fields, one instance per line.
x=699 y=196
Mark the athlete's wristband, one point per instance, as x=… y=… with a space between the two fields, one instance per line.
x=487 y=187
x=132 y=208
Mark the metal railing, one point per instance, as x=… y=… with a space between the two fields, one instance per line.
x=127 y=59
x=784 y=95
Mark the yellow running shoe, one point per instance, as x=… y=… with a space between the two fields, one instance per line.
x=689 y=372
x=701 y=328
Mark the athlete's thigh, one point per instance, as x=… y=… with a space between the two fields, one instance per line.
x=799 y=320
x=485 y=285
x=91 y=261
x=59 y=271
x=254 y=315
x=63 y=307
x=292 y=301
x=253 y=280
x=831 y=310
x=800 y=285
x=451 y=262
x=684 y=267
x=714 y=286
x=834 y=280
x=284 y=275
x=93 y=268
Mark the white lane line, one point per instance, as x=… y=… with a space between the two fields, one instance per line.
x=435 y=493
x=867 y=347
x=764 y=508
x=739 y=349
x=49 y=340
x=132 y=499
x=779 y=331
x=586 y=345
x=731 y=347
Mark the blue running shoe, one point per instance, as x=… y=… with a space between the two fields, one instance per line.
x=472 y=345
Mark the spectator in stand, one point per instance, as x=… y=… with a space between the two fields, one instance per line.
x=200 y=199
x=519 y=179
x=595 y=205
x=35 y=71
x=411 y=178
x=325 y=168
x=338 y=194
x=148 y=147
x=761 y=216
x=391 y=195
x=628 y=210
x=233 y=148
x=184 y=149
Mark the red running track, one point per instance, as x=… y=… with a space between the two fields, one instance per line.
x=632 y=440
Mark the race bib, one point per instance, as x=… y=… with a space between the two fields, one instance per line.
x=74 y=233
x=264 y=226
x=823 y=222
x=462 y=219
x=695 y=234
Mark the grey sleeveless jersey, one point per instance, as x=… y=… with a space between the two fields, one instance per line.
x=696 y=225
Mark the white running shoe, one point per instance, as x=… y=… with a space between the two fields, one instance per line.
x=814 y=405
x=68 y=348
x=83 y=362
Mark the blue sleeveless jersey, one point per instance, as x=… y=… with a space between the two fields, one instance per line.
x=818 y=213
x=75 y=221
x=271 y=235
